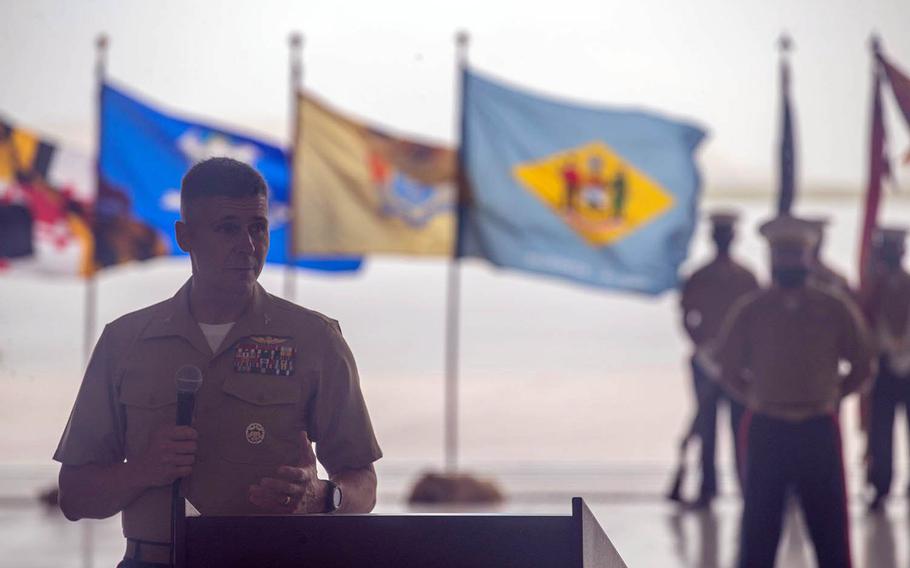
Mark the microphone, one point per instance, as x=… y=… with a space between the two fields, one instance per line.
x=189 y=379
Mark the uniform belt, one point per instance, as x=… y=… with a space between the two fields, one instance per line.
x=148 y=551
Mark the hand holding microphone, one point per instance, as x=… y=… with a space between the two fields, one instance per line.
x=171 y=451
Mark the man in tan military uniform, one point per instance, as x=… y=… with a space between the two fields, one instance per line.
x=276 y=377
x=888 y=308
x=780 y=354
x=707 y=297
x=820 y=274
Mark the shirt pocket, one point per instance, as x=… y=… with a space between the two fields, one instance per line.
x=147 y=407
x=260 y=420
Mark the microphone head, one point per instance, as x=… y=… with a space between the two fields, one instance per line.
x=189 y=379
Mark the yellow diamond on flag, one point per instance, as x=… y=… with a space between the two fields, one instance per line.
x=595 y=191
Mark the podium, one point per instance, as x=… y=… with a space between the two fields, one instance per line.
x=379 y=541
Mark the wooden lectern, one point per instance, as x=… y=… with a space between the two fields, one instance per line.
x=377 y=541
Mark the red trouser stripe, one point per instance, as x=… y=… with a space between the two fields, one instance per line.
x=743 y=436
x=846 y=504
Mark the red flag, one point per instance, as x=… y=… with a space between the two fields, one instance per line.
x=877 y=170
x=900 y=86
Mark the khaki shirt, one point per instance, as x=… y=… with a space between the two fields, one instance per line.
x=890 y=302
x=889 y=312
x=709 y=294
x=821 y=275
x=249 y=411
x=780 y=351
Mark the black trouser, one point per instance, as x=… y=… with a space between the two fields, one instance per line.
x=708 y=395
x=888 y=391
x=805 y=458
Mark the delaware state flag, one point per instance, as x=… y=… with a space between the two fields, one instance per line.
x=598 y=196
x=144 y=154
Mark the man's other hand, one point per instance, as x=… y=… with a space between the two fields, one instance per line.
x=295 y=488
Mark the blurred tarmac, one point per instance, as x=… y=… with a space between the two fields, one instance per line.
x=628 y=503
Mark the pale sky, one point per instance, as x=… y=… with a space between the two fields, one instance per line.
x=713 y=62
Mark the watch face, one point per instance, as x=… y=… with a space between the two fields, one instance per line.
x=336 y=497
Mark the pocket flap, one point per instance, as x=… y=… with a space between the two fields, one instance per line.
x=263 y=390
x=132 y=393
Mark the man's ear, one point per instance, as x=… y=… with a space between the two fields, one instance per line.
x=182 y=231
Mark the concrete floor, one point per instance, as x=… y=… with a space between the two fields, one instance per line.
x=647 y=532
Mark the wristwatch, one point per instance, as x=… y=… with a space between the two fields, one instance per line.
x=332 y=497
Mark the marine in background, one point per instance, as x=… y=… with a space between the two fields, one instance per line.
x=707 y=297
x=888 y=310
x=781 y=354
x=820 y=274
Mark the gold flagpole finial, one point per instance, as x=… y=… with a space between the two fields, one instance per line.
x=462 y=38
x=875 y=42
x=785 y=43
x=101 y=44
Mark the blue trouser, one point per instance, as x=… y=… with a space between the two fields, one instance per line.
x=888 y=391
x=709 y=394
x=805 y=458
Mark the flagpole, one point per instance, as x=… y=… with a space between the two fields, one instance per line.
x=787 y=188
x=295 y=45
x=91 y=285
x=877 y=167
x=877 y=170
x=453 y=295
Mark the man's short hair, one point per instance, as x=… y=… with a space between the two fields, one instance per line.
x=223 y=177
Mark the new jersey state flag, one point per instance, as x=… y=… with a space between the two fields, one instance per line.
x=144 y=155
x=359 y=190
x=598 y=196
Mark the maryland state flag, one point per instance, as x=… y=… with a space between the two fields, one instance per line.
x=144 y=154
x=602 y=197
x=45 y=198
x=360 y=190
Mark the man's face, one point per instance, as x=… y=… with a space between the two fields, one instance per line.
x=790 y=265
x=228 y=239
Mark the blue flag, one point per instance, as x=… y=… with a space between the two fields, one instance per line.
x=598 y=196
x=144 y=154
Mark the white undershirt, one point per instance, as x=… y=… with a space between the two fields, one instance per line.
x=215 y=333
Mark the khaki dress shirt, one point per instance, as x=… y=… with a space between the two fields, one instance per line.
x=280 y=370
x=780 y=351
x=889 y=310
x=708 y=295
